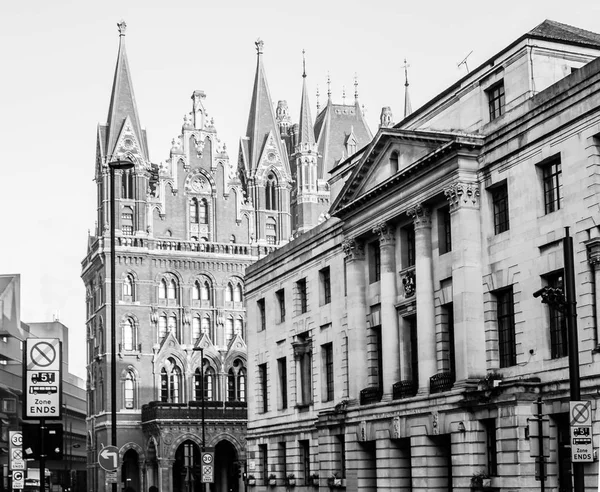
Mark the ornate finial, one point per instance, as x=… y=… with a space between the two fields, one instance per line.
x=328 y=86
x=122 y=28
x=344 y=95
x=318 y=104
x=405 y=66
x=407 y=105
x=259 y=46
x=355 y=86
x=303 y=65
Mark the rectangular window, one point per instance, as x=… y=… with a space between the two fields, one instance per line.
x=448 y=310
x=282 y=370
x=262 y=318
x=491 y=446
x=414 y=348
x=304 y=446
x=264 y=462
x=500 y=204
x=444 y=230
x=283 y=458
x=302 y=297
x=345 y=276
x=558 y=322
x=325 y=281
x=408 y=246
x=496 y=100
x=374 y=262
x=303 y=354
x=341 y=454
x=280 y=294
x=552 y=177
x=327 y=351
x=262 y=375
x=505 y=314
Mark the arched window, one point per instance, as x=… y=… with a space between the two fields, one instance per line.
x=172 y=289
x=170 y=382
x=209 y=378
x=242 y=385
x=198 y=385
x=229 y=293
x=129 y=390
x=203 y=211
x=271 y=192
x=236 y=382
x=206 y=326
x=162 y=289
x=196 y=291
x=271 y=229
x=196 y=329
x=128 y=287
x=127 y=184
x=127 y=221
x=162 y=327
x=172 y=324
x=232 y=239
x=394 y=162
x=194 y=211
x=239 y=327
x=238 y=295
x=205 y=291
x=228 y=330
x=129 y=335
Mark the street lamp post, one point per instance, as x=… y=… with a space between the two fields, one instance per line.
x=120 y=165
x=201 y=350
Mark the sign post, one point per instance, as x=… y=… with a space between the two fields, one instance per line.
x=17 y=460
x=108 y=458
x=582 y=449
x=18 y=480
x=208 y=467
x=42 y=382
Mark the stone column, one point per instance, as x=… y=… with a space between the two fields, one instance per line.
x=357 y=312
x=593 y=250
x=389 y=318
x=165 y=474
x=467 y=284
x=426 y=337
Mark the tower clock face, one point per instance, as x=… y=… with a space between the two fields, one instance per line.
x=271 y=156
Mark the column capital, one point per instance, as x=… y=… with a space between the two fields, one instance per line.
x=462 y=194
x=353 y=249
x=420 y=215
x=385 y=232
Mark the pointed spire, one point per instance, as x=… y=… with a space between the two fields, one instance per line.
x=356 y=86
x=122 y=101
x=306 y=131
x=328 y=87
x=318 y=104
x=407 y=106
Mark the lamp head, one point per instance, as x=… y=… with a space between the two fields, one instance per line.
x=121 y=164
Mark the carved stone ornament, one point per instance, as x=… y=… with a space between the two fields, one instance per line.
x=353 y=249
x=385 y=233
x=463 y=194
x=420 y=215
x=593 y=250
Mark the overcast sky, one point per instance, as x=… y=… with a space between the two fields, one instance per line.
x=58 y=61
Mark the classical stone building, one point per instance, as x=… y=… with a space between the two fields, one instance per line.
x=186 y=230
x=399 y=345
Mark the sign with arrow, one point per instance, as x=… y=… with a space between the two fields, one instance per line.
x=108 y=458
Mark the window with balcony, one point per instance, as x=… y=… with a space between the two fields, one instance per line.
x=325 y=285
x=170 y=382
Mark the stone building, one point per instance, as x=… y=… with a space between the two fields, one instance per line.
x=70 y=472
x=186 y=230
x=398 y=345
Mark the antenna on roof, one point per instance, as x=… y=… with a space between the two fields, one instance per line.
x=464 y=61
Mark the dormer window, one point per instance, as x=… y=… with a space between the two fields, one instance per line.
x=496 y=100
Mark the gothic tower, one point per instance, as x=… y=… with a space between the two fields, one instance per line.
x=263 y=166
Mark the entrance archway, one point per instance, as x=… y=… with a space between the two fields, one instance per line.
x=225 y=474
x=130 y=472
x=187 y=462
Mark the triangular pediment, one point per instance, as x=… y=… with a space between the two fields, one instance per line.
x=272 y=157
x=128 y=145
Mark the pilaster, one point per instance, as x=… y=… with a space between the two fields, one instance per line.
x=424 y=291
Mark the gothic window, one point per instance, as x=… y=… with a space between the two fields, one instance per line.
x=162 y=289
x=127 y=221
x=170 y=382
x=206 y=326
x=209 y=379
x=238 y=294
x=129 y=335
x=194 y=211
x=196 y=291
x=203 y=211
x=129 y=390
x=127 y=184
x=271 y=192
x=162 y=327
x=128 y=288
x=228 y=330
x=196 y=329
x=172 y=324
x=271 y=229
x=172 y=289
x=229 y=293
x=205 y=291
x=238 y=328
x=236 y=382
x=198 y=384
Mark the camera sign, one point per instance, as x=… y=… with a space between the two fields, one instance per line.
x=42 y=381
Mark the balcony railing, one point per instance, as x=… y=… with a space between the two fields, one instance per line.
x=370 y=395
x=213 y=410
x=404 y=389
x=440 y=382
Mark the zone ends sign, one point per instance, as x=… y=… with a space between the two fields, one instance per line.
x=42 y=381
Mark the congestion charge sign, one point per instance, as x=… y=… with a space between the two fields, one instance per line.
x=42 y=361
x=582 y=448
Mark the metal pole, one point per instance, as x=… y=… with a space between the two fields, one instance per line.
x=202 y=386
x=542 y=456
x=113 y=319
x=571 y=315
x=42 y=456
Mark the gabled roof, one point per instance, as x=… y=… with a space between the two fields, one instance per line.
x=122 y=103
x=261 y=121
x=440 y=141
x=556 y=31
x=332 y=127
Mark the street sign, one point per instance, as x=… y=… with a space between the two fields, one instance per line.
x=208 y=472
x=582 y=448
x=108 y=458
x=42 y=382
x=111 y=477
x=17 y=461
x=18 y=480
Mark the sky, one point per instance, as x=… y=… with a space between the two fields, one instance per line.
x=58 y=61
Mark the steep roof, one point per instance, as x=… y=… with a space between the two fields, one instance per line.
x=122 y=103
x=261 y=121
x=333 y=127
x=306 y=132
x=556 y=31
